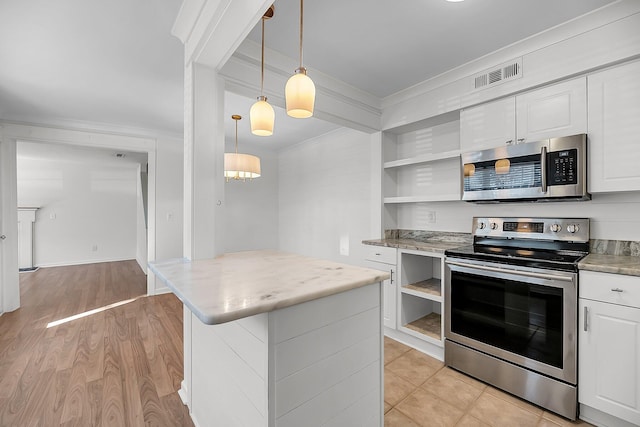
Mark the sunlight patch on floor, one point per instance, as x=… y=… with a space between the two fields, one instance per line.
x=89 y=313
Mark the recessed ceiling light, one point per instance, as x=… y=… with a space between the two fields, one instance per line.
x=454 y=1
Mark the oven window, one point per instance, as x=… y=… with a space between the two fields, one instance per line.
x=522 y=318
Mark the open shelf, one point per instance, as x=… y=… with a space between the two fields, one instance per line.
x=424 y=158
x=418 y=199
x=429 y=288
x=429 y=325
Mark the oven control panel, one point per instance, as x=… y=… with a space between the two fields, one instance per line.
x=568 y=229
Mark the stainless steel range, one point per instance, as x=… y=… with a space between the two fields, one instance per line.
x=511 y=307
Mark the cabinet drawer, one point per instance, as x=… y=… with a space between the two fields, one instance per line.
x=380 y=254
x=611 y=288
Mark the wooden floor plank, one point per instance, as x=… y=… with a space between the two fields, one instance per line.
x=119 y=366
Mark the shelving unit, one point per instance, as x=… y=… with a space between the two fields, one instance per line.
x=420 y=295
x=421 y=164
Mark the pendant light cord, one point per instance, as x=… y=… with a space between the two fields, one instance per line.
x=262 y=62
x=236 y=136
x=301 y=28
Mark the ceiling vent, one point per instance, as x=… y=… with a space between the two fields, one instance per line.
x=507 y=71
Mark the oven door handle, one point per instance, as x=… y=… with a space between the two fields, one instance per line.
x=515 y=272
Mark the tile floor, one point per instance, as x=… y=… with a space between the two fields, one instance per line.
x=420 y=391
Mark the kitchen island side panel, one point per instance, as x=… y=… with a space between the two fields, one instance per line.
x=317 y=363
x=230 y=372
x=327 y=356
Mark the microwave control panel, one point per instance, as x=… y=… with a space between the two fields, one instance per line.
x=562 y=167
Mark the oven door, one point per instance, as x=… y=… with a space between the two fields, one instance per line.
x=523 y=315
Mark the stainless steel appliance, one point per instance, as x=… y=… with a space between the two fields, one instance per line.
x=511 y=307
x=551 y=169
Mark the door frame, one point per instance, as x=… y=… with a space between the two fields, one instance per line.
x=10 y=133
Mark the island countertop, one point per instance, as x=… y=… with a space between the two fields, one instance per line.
x=242 y=284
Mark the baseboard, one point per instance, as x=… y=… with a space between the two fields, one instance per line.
x=93 y=261
x=162 y=290
x=601 y=419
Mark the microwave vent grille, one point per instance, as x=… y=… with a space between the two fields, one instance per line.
x=507 y=71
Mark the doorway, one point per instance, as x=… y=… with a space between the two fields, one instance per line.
x=10 y=133
x=87 y=204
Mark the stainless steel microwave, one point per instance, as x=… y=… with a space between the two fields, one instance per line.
x=550 y=169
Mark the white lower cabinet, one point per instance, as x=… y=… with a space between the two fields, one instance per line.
x=384 y=258
x=609 y=347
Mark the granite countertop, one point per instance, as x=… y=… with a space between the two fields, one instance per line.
x=437 y=246
x=617 y=264
x=237 y=285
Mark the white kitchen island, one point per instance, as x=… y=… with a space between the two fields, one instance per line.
x=278 y=339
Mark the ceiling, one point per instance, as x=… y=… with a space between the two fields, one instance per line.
x=116 y=62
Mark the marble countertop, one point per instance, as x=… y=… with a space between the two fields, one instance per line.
x=617 y=264
x=242 y=284
x=436 y=246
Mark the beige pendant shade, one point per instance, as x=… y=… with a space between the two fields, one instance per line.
x=240 y=166
x=300 y=92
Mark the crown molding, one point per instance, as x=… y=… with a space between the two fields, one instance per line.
x=580 y=25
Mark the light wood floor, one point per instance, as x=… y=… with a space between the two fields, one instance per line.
x=120 y=366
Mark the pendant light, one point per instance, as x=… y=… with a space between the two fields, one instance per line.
x=240 y=166
x=261 y=114
x=300 y=92
x=502 y=166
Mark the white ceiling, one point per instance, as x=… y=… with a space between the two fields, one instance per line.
x=116 y=63
x=383 y=47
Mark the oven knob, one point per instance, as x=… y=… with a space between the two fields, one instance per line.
x=556 y=227
x=573 y=228
x=481 y=225
x=493 y=225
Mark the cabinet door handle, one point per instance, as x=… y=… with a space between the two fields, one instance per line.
x=586 y=315
x=616 y=290
x=520 y=140
x=509 y=142
x=392 y=276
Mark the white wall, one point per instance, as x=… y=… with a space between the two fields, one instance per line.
x=168 y=193
x=325 y=195
x=251 y=207
x=614 y=216
x=87 y=209
x=141 y=223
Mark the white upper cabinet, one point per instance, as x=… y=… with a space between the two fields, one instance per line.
x=614 y=129
x=549 y=112
x=488 y=125
x=552 y=111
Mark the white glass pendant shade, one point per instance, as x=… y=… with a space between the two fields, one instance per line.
x=300 y=95
x=241 y=166
x=262 y=117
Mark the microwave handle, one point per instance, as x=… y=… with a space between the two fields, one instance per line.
x=543 y=168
